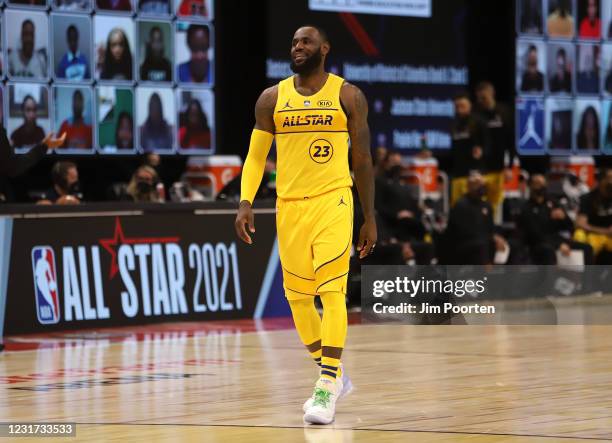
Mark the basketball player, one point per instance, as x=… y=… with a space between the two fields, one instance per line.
x=313 y=115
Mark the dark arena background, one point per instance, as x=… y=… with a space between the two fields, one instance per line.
x=130 y=309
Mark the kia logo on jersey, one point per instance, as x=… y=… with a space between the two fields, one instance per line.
x=45 y=285
x=325 y=103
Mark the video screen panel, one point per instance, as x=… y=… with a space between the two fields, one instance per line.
x=155 y=119
x=563 y=76
x=28 y=118
x=76 y=120
x=72 y=49
x=195 y=108
x=119 y=77
x=374 y=45
x=115 y=120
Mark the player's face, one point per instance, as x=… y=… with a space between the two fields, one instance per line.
x=117 y=46
x=27 y=38
x=73 y=41
x=29 y=111
x=307 y=51
x=463 y=107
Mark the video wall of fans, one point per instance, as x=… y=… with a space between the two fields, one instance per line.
x=117 y=76
x=564 y=76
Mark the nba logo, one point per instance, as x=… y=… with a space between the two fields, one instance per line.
x=45 y=285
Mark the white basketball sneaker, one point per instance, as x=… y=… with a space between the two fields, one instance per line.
x=346 y=387
x=323 y=409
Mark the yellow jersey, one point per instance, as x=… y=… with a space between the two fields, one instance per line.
x=312 y=141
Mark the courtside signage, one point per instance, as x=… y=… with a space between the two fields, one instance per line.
x=121 y=271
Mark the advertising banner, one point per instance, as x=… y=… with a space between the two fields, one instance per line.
x=86 y=272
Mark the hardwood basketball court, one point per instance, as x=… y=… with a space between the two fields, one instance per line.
x=246 y=381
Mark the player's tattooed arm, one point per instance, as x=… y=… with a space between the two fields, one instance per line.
x=356 y=106
x=264 y=109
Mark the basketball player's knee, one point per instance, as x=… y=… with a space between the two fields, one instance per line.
x=301 y=304
x=334 y=303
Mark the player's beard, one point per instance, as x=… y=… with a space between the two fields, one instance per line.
x=309 y=65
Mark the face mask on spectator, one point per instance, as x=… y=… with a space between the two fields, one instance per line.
x=144 y=187
x=538 y=192
x=75 y=188
x=477 y=193
x=394 y=171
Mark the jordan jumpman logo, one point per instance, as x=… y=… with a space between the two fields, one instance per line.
x=530 y=130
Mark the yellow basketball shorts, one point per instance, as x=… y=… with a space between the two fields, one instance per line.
x=458 y=189
x=598 y=242
x=314 y=243
x=495 y=188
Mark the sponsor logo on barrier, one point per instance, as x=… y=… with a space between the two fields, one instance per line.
x=45 y=285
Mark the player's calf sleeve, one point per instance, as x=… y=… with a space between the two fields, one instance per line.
x=308 y=325
x=333 y=333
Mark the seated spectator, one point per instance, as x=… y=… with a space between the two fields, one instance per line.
x=389 y=251
x=183 y=192
x=574 y=189
x=66 y=188
x=153 y=160
x=266 y=190
x=379 y=157
x=470 y=238
x=400 y=211
x=142 y=186
x=546 y=228
x=594 y=220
